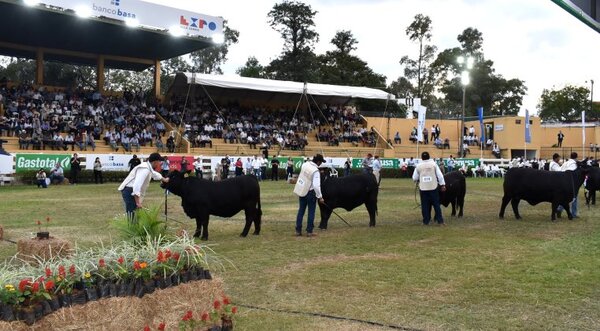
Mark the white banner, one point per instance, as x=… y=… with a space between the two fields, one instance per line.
x=146 y=14
x=421 y=122
x=110 y=162
x=6 y=164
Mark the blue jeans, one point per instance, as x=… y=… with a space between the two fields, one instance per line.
x=309 y=200
x=428 y=199
x=129 y=200
x=573 y=207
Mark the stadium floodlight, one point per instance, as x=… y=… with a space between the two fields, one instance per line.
x=218 y=38
x=31 y=3
x=470 y=62
x=132 y=22
x=464 y=78
x=460 y=59
x=176 y=31
x=83 y=11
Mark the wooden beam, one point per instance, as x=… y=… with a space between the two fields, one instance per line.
x=39 y=67
x=157 y=80
x=100 y=74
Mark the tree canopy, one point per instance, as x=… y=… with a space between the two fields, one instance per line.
x=565 y=105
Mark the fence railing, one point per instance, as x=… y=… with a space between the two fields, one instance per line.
x=565 y=152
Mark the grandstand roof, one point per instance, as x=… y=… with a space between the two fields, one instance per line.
x=275 y=91
x=65 y=37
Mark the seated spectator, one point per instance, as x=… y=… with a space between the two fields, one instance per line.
x=489 y=143
x=480 y=170
x=24 y=140
x=438 y=143
x=171 y=144
x=466 y=149
x=496 y=151
x=397 y=139
x=446 y=143
x=79 y=141
x=113 y=143
x=41 y=178
x=125 y=142
x=89 y=141
x=251 y=142
x=69 y=141
x=134 y=143
x=160 y=146
x=57 y=174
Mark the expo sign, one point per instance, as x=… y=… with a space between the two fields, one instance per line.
x=25 y=162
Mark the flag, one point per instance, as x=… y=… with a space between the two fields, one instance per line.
x=527 y=129
x=421 y=122
x=583 y=126
x=480 y=114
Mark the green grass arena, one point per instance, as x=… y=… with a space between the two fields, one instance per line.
x=477 y=273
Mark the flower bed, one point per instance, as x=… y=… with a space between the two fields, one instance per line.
x=31 y=291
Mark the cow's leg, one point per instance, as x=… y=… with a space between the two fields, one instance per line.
x=372 y=209
x=515 y=206
x=554 y=207
x=205 y=229
x=460 y=202
x=202 y=227
x=567 y=207
x=325 y=214
x=453 y=203
x=198 y=232
x=505 y=200
x=250 y=212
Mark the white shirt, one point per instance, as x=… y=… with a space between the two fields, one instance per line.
x=554 y=166
x=139 y=178
x=569 y=165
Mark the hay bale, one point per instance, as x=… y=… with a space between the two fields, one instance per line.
x=132 y=313
x=1 y=232
x=32 y=249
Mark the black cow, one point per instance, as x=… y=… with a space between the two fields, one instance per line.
x=535 y=186
x=348 y=192
x=201 y=198
x=592 y=184
x=456 y=188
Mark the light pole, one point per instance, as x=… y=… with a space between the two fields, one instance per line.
x=465 y=65
x=592 y=97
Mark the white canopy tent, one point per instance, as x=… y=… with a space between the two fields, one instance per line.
x=274 y=90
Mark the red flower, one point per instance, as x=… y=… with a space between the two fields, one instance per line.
x=146 y=328
x=49 y=285
x=187 y=316
x=217 y=304
x=176 y=256
x=168 y=254
x=101 y=263
x=161 y=326
x=35 y=287
x=234 y=310
x=23 y=284
x=72 y=269
x=48 y=219
x=226 y=301
x=136 y=265
x=61 y=271
x=204 y=317
x=161 y=257
x=121 y=260
x=48 y=272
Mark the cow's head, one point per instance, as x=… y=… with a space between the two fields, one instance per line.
x=175 y=184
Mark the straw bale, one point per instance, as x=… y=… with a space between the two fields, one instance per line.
x=1 y=232
x=132 y=313
x=28 y=249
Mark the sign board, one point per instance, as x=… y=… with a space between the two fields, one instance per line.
x=25 y=162
x=110 y=162
x=499 y=127
x=385 y=163
x=175 y=162
x=146 y=14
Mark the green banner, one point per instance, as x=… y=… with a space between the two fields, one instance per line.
x=458 y=163
x=385 y=163
x=26 y=162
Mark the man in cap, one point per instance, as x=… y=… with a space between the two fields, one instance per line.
x=428 y=175
x=308 y=190
x=134 y=187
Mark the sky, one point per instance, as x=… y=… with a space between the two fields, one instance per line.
x=533 y=40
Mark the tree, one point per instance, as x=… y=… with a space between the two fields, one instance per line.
x=252 y=68
x=342 y=68
x=209 y=60
x=564 y=105
x=419 y=69
x=295 y=23
x=497 y=95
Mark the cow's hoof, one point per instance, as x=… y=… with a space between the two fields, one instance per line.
x=518 y=217
x=204 y=238
x=243 y=235
x=197 y=235
x=256 y=233
x=371 y=225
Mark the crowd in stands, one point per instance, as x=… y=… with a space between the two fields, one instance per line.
x=264 y=128
x=60 y=120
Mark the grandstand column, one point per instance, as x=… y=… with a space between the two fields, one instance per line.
x=157 y=79
x=39 y=67
x=100 y=74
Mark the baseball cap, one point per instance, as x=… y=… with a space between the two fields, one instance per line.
x=155 y=157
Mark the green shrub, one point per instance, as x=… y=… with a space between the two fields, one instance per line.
x=144 y=226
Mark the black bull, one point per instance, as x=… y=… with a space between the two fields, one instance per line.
x=201 y=198
x=348 y=192
x=456 y=189
x=535 y=186
x=592 y=184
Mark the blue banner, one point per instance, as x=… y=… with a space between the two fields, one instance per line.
x=527 y=129
x=480 y=114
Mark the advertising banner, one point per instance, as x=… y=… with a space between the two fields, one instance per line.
x=25 y=162
x=175 y=162
x=385 y=163
x=6 y=164
x=458 y=163
x=146 y=14
x=110 y=162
